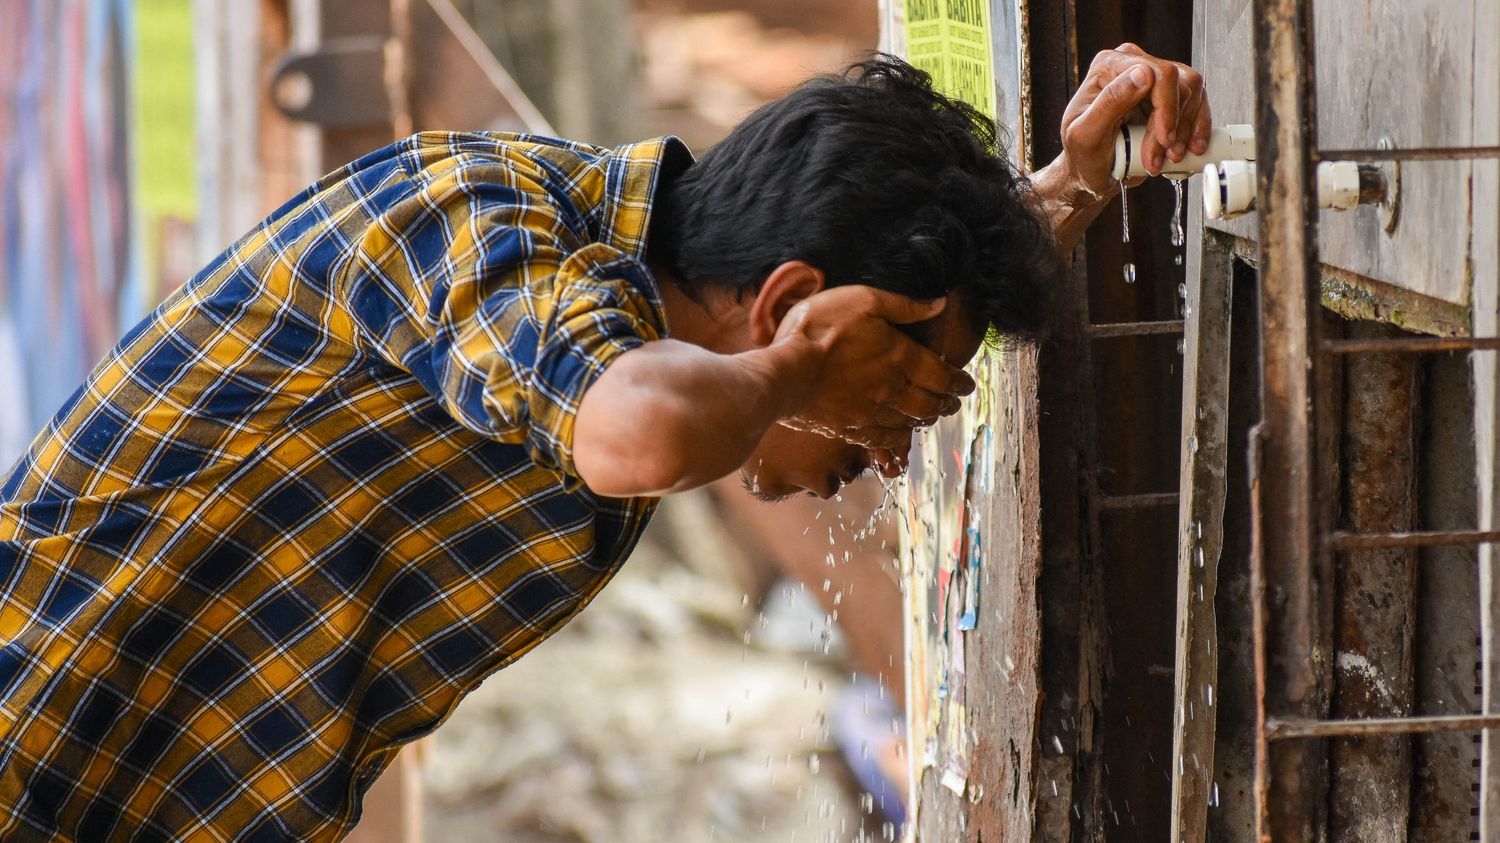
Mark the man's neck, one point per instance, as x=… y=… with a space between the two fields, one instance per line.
x=714 y=321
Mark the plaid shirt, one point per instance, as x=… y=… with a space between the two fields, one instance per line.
x=320 y=494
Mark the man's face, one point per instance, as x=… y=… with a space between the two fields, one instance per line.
x=790 y=462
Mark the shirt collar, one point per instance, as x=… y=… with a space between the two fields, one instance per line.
x=633 y=174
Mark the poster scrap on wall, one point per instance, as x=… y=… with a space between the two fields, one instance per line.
x=952 y=463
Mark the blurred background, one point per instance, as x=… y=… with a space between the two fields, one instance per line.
x=713 y=692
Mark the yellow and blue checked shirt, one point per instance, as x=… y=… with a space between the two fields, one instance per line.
x=319 y=494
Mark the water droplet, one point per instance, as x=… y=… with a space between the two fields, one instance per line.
x=1129 y=273
x=1177 y=259
x=1193 y=444
x=1182 y=291
x=1177 y=238
x=1182 y=346
x=814 y=764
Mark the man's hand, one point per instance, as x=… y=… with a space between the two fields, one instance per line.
x=1120 y=82
x=867 y=382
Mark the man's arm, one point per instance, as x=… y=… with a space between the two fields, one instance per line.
x=1067 y=205
x=670 y=416
x=1076 y=186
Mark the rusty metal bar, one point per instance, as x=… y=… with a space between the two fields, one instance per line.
x=1427 y=153
x=1375 y=591
x=1148 y=500
x=1289 y=568
x=1110 y=330
x=1423 y=345
x=1434 y=538
x=1298 y=729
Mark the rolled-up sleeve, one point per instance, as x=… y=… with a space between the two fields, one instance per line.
x=488 y=292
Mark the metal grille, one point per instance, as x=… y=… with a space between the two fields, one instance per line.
x=1295 y=548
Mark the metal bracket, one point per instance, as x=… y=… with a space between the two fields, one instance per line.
x=1390 y=206
x=331 y=85
x=450 y=79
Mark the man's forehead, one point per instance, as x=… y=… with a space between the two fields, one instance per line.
x=950 y=333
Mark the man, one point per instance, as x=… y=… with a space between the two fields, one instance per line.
x=413 y=422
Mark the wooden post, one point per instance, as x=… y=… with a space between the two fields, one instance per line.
x=1200 y=525
x=228 y=114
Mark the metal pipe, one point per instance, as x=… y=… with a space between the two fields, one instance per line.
x=1149 y=500
x=1111 y=330
x=1297 y=729
x=1437 y=538
x=1424 y=345
x=1430 y=153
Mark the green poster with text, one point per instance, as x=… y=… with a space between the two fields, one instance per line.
x=950 y=39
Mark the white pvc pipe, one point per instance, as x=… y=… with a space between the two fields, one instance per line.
x=1225 y=143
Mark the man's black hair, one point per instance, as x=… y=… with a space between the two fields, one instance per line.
x=874 y=178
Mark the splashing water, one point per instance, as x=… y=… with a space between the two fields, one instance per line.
x=1129 y=273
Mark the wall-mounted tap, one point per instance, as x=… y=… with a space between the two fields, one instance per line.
x=1229 y=187
x=1234 y=142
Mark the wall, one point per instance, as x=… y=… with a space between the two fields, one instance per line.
x=67 y=269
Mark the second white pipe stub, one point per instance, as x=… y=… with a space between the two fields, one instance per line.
x=1229 y=187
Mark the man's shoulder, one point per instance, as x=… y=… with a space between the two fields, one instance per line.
x=429 y=149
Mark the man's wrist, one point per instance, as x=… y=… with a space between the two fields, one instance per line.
x=1068 y=201
x=1061 y=183
x=785 y=373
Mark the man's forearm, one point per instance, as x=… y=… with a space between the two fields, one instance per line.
x=1068 y=206
x=671 y=416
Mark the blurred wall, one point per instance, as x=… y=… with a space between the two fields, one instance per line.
x=67 y=265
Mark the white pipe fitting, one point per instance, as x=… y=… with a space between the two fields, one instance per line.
x=1229 y=187
x=1227 y=143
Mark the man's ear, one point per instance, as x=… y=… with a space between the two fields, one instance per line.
x=787 y=285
